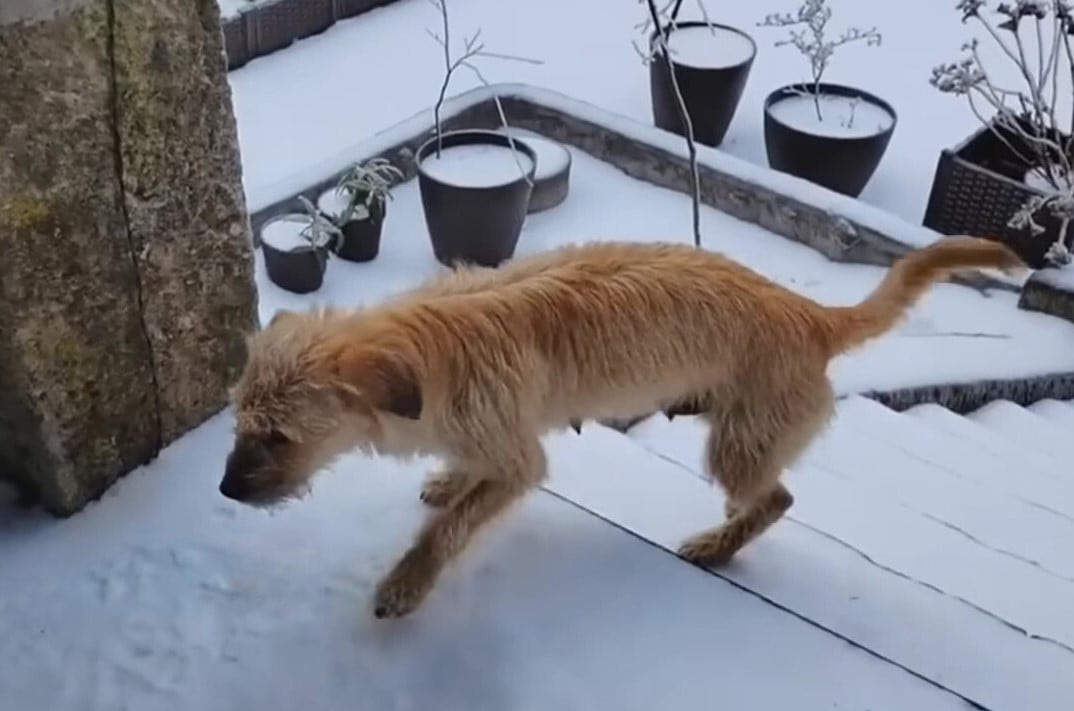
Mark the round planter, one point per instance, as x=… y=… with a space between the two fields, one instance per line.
x=361 y=237
x=838 y=158
x=551 y=179
x=298 y=268
x=711 y=72
x=474 y=196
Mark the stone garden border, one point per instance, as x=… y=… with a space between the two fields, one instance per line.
x=271 y=25
x=844 y=229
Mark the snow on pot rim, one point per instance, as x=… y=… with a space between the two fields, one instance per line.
x=283 y=233
x=552 y=156
x=793 y=106
x=702 y=45
x=476 y=158
x=333 y=203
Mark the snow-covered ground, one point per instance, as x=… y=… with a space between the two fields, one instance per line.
x=923 y=566
x=920 y=568
x=956 y=335
x=287 y=121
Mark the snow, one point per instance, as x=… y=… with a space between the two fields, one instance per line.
x=880 y=571
x=922 y=566
x=332 y=202
x=709 y=47
x=1058 y=278
x=954 y=335
x=164 y=595
x=593 y=58
x=284 y=235
x=841 y=116
x=552 y=156
x=476 y=166
x=231 y=8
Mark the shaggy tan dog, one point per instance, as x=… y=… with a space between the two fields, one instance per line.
x=475 y=367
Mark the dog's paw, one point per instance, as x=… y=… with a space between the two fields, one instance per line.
x=404 y=589
x=706 y=551
x=441 y=489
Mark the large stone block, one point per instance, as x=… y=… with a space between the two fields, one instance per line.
x=126 y=264
x=186 y=211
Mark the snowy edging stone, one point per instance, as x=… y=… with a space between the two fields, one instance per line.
x=842 y=228
x=1050 y=291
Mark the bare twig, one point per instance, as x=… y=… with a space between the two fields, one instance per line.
x=814 y=15
x=472 y=48
x=660 y=45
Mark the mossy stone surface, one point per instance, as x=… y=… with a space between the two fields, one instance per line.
x=126 y=265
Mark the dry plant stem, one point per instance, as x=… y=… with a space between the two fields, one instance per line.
x=684 y=116
x=472 y=49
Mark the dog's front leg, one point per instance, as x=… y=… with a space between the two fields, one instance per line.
x=448 y=532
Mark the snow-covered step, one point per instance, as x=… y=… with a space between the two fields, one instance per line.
x=1017 y=456
x=949 y=481
x=837 y=492
x=1059 y=412
x=850 y=567
x=1025 y=428
x=964 y=449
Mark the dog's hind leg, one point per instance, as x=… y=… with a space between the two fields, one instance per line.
x=748 y=448
x=447 y=534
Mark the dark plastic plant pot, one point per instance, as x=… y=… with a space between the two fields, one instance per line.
x=711 y=94
x=471 y=223
x=361 y=239
x=840 y=163
x=299 y=270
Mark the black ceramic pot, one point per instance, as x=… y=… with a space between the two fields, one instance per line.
x=299 y=270
x=711 y=95
x=472 y=224
x=361 y=238
x=841 y=163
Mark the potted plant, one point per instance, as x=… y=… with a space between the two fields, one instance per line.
x=830 y=134
x=475 y=184
x=711 y=63
x=296 y=246
x=1013 y=178
x=357 y=205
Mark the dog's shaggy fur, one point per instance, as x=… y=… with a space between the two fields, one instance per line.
x=475 y=367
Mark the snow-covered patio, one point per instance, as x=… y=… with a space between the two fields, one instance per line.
x=925 y=564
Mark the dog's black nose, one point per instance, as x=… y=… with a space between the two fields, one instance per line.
x=231 y=487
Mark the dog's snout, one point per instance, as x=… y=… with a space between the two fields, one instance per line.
x=245 y=459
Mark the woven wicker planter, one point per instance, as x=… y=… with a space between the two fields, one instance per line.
x=978 y=186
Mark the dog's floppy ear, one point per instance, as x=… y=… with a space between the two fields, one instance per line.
x=386 y=380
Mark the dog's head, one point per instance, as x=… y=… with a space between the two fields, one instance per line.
x=307 y=394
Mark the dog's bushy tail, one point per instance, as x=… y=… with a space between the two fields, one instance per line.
x=909 y=278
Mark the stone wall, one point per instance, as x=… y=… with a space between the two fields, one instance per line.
x=126 y=277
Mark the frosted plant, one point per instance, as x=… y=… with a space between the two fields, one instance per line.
x=473 y=47
x=811 y=40
x=318 y=231
x=663 y=17
x=364 y=184
x=1035 y=36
